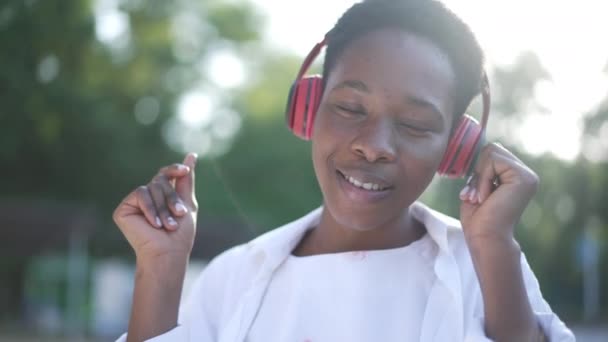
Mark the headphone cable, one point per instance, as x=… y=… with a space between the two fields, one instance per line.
x=231 y=196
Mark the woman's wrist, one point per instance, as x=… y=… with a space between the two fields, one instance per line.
x=491 y=240
x=507 y=311
x=168 y=263
x=156 y=298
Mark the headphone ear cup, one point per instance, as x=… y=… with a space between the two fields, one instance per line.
x=302 y=104
x=463 y=148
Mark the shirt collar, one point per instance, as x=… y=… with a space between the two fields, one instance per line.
x=438 y=225
x=277 y=244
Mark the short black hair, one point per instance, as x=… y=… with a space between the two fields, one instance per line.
x=429 y=19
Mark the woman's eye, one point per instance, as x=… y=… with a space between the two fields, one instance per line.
x=416 y=130
x=349 y=110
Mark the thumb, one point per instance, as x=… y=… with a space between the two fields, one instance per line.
x=184 y=186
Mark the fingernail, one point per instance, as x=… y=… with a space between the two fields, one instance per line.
x=470 y=179
x=180 y=208
x=479 y=197
x=158 y=221
x=464 y=192
x=171 y=221
x=183 y=168
x=194 y=159
x=473 y=195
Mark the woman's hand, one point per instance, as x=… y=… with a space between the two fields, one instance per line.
x=492 y=204
x=159 y=218
x=496 y=196
x=159 y=221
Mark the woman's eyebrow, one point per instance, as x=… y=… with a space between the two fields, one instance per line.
x=354 y=84
x=410 y=99
x=426 y=104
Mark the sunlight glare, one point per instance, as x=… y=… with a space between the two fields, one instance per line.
x=195 y=109
x=568 y=38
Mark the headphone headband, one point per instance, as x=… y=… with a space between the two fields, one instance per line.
x=486 y=98
x=484 y=86
x=311 y=57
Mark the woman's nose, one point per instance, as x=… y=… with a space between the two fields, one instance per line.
x=375 y=142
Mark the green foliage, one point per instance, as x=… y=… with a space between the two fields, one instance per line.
x=513 y=86
x=70 y=133
x=236 y=21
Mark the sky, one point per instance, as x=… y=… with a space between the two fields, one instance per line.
x=569 y=39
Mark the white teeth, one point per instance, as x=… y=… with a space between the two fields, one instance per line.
x=366 y=186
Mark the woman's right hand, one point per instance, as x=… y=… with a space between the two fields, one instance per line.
x=159 y=218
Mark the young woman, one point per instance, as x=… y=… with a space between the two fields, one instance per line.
x=372 y=263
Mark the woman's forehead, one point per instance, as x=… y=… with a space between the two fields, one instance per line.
x=396 y=63
x=390 y=54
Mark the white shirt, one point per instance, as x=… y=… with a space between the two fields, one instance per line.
x=230 y=293
x=370 y=296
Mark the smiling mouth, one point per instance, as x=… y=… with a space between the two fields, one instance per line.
x=369 y=186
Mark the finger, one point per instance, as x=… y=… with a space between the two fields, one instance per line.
x=147 y=207
x=158 y=197
x=135 y=204
x=494 y=147
x=174 y=203
x=494 y=172
x=174 y=170
x=469 y=192
x=499 y=148
x=184 y=186
x=528 y=176
x=483 y=169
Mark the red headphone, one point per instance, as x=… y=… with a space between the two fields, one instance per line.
x=462 y=150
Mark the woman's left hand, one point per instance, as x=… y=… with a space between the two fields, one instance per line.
x=496 y=196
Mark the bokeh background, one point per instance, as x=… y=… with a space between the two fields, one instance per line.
x=96 y=95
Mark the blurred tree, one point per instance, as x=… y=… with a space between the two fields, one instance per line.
x=513 y=86
x=86 y=110
x=595 y=163
x=89 y=89
x=268 y=170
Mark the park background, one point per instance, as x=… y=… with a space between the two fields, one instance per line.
x=96 y=95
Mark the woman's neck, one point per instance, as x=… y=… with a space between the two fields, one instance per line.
x=331 y=237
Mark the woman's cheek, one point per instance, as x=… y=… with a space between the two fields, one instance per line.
x=429 y=150
x=423 y=159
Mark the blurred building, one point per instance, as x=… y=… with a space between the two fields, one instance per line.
x=53 y=287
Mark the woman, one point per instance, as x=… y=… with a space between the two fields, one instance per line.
x=372 y=264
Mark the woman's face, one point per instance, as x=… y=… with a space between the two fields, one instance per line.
x=382 y=127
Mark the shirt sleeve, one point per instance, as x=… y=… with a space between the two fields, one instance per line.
x=555 y=330
x=198 y=315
